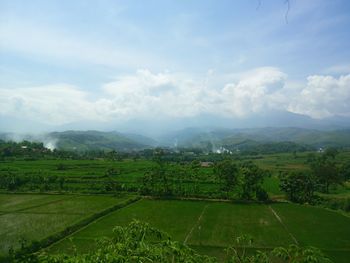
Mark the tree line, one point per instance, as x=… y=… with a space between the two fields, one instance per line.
x=324 y=173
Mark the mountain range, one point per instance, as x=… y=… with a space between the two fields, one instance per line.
x=210 y=139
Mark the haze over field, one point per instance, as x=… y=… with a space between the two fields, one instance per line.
x=153 y=67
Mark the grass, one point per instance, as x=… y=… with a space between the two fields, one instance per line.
x=173 y=217
x=209 y=227
x=223 y=222
x=16 y=227
x=33 y=217
x=317 y=226
x=271 y=185
x=15 y=202
x=89 y=176
x=79 y=205
x=324 y=229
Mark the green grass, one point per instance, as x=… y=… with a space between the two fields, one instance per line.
x=209 y=227
x=15 y=202
x=16 y=227
x=173 y=217
x=78 y=205
x=88 y=176
x=35 y=216
x=271 y=185
x=224 y=222
x=324 y=229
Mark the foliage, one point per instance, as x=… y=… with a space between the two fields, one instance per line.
x=299 y=187
x=325 y=169
x=237 y=253
x=251 y=180
x=337 y=204
x=246 y=178
x=294 y=253
x=345 y=171
x=137 y=242
x=227 y=172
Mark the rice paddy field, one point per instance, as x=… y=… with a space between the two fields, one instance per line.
x=29 y=217
x=209 y=227
x=87 y=176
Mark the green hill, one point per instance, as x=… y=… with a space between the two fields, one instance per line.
x=95 y=140
x=262 y=138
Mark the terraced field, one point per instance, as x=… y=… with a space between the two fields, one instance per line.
x=29 y=217
x=211 y=226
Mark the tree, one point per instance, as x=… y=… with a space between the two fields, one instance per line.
x=251 y=178
x=227 y=172
x=325 y=170
x=159 y=180
x=345 y=171
x=194 y=172
x=114 y=156
x=299 y=187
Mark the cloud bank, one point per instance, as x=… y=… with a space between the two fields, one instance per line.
x=149 y=95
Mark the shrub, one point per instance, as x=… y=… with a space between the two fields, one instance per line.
x=262 y=195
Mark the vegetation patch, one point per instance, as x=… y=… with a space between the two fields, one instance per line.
x=31 y=227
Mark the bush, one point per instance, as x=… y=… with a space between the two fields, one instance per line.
x=346 y=206
x=262 y=195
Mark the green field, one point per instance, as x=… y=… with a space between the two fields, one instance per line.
x=35 y=216
x=89 y=176
x=209 y=227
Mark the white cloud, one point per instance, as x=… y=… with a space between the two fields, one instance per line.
x=167 y=95
x=323 y=96
x=53 y=104
x=159 y=95
x=253 y=92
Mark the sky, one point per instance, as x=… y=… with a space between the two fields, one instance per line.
x=64 y=62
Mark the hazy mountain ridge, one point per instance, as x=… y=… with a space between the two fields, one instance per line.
x=84 y=140
x=236 y=137
x=96 y=140
x=209 y=139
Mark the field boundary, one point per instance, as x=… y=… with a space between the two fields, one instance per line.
x=284 y=226
x=232 y=201
x=52 y=239
x=196 y=224
x=94 y=221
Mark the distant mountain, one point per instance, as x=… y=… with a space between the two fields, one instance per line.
x=144 y=140
x=210 y=139
x=96 y=140
x=316 y=138
x=215 y=138
x=159 y=127
x=85 y=140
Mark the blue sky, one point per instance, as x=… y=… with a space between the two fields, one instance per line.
x=121 y=59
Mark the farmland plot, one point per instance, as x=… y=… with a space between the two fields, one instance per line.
x=29 y=217
x=210 y=227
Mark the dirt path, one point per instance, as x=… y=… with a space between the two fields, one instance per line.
x=196 y=224
x=284 y=226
